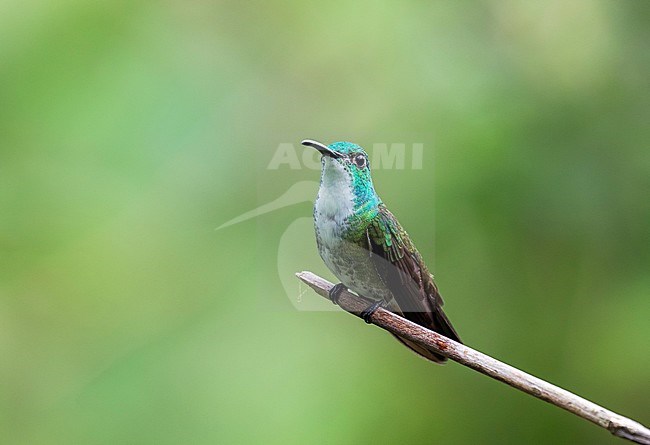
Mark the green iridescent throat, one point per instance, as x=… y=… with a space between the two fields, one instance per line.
x=366 y=201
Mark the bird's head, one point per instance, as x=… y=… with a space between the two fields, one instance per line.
x=349 y=163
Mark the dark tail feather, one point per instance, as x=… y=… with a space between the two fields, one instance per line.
x=442 y=325
x=436 y=321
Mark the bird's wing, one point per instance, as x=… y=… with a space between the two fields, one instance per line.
x=402 y=269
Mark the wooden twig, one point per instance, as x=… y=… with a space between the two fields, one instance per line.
x=615 y=423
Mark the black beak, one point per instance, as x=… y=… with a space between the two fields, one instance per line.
x=324 y=149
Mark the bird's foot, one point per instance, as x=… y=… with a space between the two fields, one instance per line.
x=367 y=312
x=335 y=292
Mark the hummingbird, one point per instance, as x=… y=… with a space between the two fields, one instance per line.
x=367 y=249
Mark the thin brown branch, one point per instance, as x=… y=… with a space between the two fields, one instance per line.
x=615 y=423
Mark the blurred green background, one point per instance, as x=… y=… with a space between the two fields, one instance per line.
x=129 y=131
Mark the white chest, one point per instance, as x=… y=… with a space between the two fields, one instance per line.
x=334 y=204
x=330 y=218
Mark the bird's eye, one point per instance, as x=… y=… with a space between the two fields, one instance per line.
x=360 y=161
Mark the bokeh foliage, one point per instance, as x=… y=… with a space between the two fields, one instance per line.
x=130 y=130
